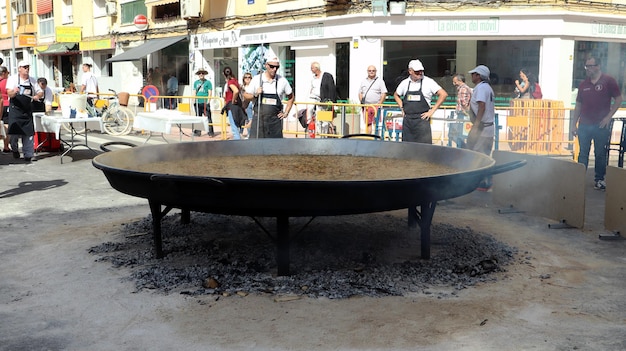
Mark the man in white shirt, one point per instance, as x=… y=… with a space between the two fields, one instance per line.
x=89 y=84
x=267 y=90
x=414 y=95
x=372 y=91
x=22 y=90
x=48 y=95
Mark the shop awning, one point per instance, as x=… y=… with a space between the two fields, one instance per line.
x=145 y=49
x=59 y=49
x=160 y=2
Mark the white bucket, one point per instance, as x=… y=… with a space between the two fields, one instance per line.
x=68 y=102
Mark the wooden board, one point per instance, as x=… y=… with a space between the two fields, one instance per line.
x=545 y=186
x=615 y=200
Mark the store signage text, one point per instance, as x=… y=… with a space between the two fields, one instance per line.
x=313 y=31
x=27 y=40
x=609 y=28
x=489 y=25
x=96 y=45
x=226 y=39
x=65 y=34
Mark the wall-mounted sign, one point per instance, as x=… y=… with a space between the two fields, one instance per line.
x=141 y=22
x=94 y=45
x=65 y=34
x=213 y=40
x=27 y=40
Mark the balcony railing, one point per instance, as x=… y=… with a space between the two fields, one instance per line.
x=25 y=19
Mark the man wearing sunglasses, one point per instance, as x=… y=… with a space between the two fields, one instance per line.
x=413 y=95
x=267 y=90
x=22 y=90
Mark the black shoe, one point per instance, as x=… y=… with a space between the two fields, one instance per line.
x=197 y=132
x=6 y=151
x=27 y=159
x=16 y=154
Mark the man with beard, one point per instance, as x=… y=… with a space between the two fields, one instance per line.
x=598 y=99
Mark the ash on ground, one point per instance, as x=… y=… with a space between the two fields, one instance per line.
x=333 y=257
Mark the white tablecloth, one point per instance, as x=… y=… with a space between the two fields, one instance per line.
x=161 y=121
x=52 y=124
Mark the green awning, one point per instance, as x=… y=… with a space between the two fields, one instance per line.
x=59 y=49
x=145 y=49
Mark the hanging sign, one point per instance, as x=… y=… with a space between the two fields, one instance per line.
x=141 y=22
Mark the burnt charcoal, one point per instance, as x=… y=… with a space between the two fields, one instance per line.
x=332 y=257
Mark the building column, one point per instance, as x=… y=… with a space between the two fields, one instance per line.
x=556 y=69
x=466 y=53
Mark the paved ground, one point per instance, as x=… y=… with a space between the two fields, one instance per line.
x=55 y=296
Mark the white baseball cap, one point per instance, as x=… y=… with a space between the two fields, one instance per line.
x=270 y=56
x=23 y=63
x=416 y=65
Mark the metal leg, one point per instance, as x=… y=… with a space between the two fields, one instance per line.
x=73 y=144
x=157 y=216
x=185 y=216
x=282 y=245
x=423 y=218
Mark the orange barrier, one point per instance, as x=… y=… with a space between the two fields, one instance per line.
x=536 y=126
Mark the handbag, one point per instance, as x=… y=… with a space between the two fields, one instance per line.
x=367 y=91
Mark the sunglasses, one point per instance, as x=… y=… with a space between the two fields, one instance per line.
x=247 y=77
x=273 y=66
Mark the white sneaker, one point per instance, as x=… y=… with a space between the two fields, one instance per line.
x=599 y=185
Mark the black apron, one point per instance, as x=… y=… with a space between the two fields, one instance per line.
x=21 y=112
x=414 y=128
x=266 y=111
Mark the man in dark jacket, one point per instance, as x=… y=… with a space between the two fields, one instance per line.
x=323 y=85
x=323 y=89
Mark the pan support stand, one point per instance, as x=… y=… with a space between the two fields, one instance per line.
x=561 y=225
x=157 y=217
x=509 y=210
x=424 y=218
x=612 y=236
x=282 y=245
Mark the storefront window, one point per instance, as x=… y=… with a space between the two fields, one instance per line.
x=176 y=58
x=611 y=55
x=132 y=9
x=441 y=59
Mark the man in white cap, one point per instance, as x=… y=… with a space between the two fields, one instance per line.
x=414 y=95
x=482 y=114
x=22 y=89
x=268 y=89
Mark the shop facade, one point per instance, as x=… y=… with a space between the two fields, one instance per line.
x=553 y=45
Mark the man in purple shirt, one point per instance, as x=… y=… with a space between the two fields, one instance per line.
x=598 y=99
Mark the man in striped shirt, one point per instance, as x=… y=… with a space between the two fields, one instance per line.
x=463 y=96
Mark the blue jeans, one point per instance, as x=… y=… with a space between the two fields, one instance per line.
x=233 y=127
x=28 y=144
x=600 y=137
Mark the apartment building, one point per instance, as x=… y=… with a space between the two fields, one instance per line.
x=123 y=39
